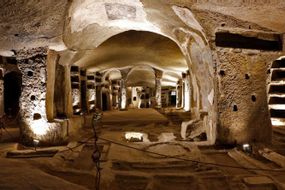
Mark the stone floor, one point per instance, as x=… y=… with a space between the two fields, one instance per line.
x=139 y=116
x=137 y=168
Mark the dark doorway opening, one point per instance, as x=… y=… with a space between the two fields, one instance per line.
x=12 y=93
x=172 y=98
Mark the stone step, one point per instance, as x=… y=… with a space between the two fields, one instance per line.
x=159 y=167
x=169 y=181
x=273 y=156
x=247 y=161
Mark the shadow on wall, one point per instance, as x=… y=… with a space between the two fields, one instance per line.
x=12 y=93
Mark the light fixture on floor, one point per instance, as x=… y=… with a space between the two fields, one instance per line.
x=247 y=148
x=36 y=143
x=134 y=136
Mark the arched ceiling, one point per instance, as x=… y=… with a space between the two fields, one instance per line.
x=34 y=23
x=133 y=48
x=141 y=76
x=113 y=75
x=136 y=49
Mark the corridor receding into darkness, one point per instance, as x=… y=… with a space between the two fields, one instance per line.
x=142 y=94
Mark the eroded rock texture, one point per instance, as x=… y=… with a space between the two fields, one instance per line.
x=34 y=125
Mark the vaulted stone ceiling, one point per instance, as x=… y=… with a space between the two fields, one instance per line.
x=36 y=23
x=142 y=50
x=134 y=48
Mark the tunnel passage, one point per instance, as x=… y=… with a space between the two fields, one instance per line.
x=12 y=93
x=276 y=92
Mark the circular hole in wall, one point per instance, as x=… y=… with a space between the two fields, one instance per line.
x=222 y=73
x=223 y=24
x=253 y=98
x=30 y=73
x=235 y=108
x=37 y=116
x=246 y=76
x=33 y=97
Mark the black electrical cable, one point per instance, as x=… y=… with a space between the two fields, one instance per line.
x=189 y=160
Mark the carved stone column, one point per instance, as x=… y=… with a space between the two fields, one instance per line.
x=187 y=92
x=123 y=90
x=179 y=94
x=158 y=77
x=1 y=94
x=123 y=95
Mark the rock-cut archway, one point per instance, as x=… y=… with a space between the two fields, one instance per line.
x=94 y=22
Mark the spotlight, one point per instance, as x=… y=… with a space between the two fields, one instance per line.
x=36 y=143
x=247 y=148
x=134 y=136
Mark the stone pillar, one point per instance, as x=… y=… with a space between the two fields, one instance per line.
x=2 y=112
x=52 y=60
x=123 y=90
x=34 y=124
x=110 y=89
x=123 y=95
x=68 y=91
x=158 y=77
x=187 y=93
x=179 y=94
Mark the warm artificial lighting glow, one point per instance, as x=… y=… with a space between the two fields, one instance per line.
x=124 y=99
x=36 y=143
x=277 y=122
x=187 y=101
x=39 y=127
x=247 y=148
x=123 y=103
x=134 y=136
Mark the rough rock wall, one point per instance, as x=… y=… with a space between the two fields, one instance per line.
x=243 y=108
x=34 y=125
x=229 y=3
x=31 y=23
x=242 y=90
x=33 y=69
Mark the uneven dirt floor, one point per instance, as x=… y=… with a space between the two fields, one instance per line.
x=129 y=165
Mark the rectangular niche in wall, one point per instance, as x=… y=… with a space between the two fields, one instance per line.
x=91 y=92
x=248 y=39
x=75 y=87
